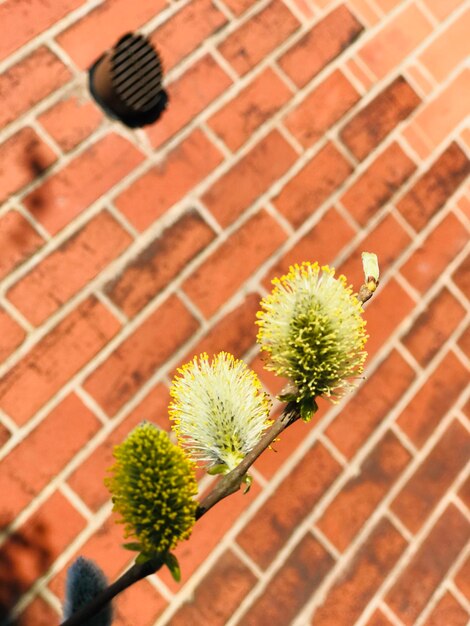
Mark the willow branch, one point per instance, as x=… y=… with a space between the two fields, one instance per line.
x=229 y=484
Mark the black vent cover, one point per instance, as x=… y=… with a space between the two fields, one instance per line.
x=126 y=82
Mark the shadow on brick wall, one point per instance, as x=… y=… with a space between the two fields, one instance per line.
x=37 y=164
x=23 y=558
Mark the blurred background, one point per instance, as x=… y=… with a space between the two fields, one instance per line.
x=295 y=130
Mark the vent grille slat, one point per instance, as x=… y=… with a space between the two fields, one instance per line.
x=135 y=79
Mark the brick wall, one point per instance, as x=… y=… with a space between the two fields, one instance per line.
x=297 y=129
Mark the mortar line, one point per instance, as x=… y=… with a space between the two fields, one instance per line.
x=243 y=556
x=43 y=38
x=383 y=506
x=459 y=596
x=442 y=587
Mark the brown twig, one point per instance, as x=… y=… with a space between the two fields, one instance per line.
x=226 y=486
x=229 y=484
x=133 y=575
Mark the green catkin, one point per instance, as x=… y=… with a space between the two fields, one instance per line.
x=153 y=486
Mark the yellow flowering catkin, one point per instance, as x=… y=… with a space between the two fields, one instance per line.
x=153 y=487
x=312 y=329
x=219 y=409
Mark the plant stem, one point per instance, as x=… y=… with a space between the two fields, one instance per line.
x=225 y=487
x=229 y=484
x=133 y=575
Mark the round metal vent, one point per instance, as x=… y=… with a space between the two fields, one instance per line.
x=126 y=82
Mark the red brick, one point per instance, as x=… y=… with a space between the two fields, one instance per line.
x=66 y=270
x=464 y=342
x=368 y=13
x=434 y=399
x=317 y=245
x=30 y=551
x=122 y=374
x=274 y=384
x=351 y=593
x=322 y=108
x=190 y=94
x=379 y=117
x=159 y=263
x=449 y=49
x=152 y=408
x=429 y=261
x=432 y=479
x=18 y=241
x=104 y=547
x=292 y=586
x=463 y=203
x=379 y=394
x=323 y=43
x=23 y=156
x=238 y=188
x=434 y=326
x=279 y=452
x=99 y=29
x=234 y=333
x=35 y=461
x=294 y=499
x=38 y=613
x=186 y=30
x=435 y=187
x=461 y=276
x=217 y=597
x=71 y=120
x=72 y=189
x=388 y=240
x=447 y=110
x=315 y=182
x=462 y=578
x=222 y=273
x=361 y=495
x=29 y=81
x=239 y=6
x=236 y=121
x=22 y=20
x=55 y=359
x=378 y=183
x=384 y=313
x=306 y=8
x=4 y=435
x=11 y=335
x=465 y=137
x=442 y=8
x=157 y=190
x=417 y=142
x=209 y=533
x=395 y=41
x=379 y=619
x=419 y=79
x=428 y=566
x=466 y=411
x=363 y=79
x=387 y=5
x=141 y=604
x=255 y=39
x=448 y=611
